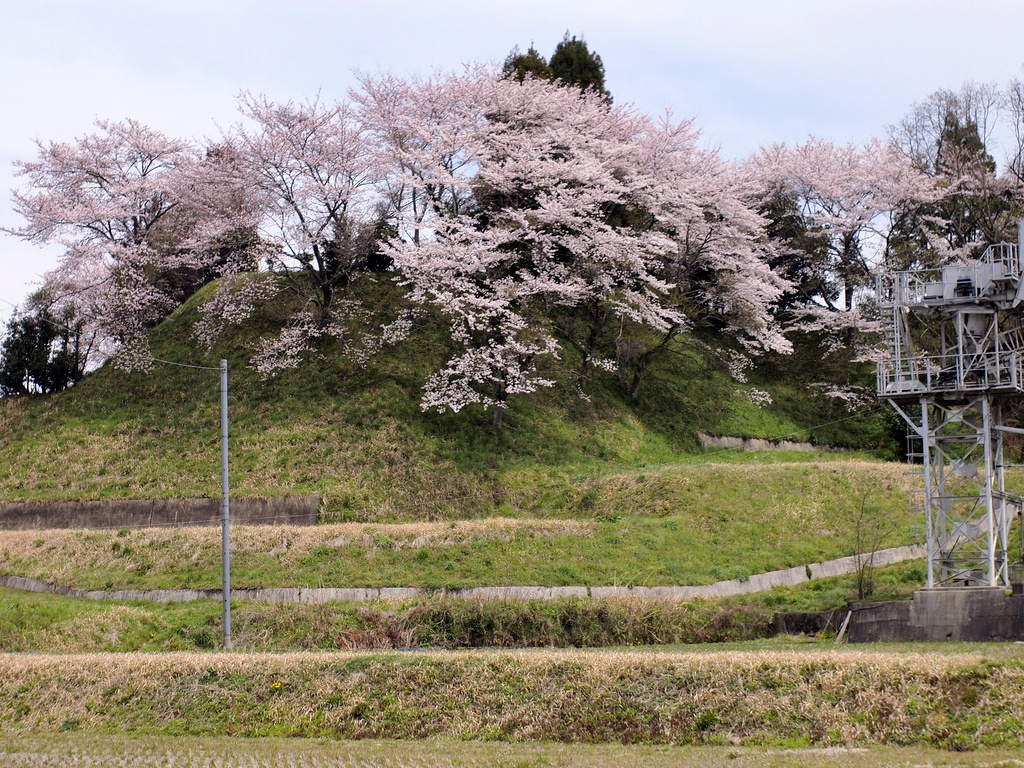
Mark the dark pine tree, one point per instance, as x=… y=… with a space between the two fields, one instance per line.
x=574 y=64
x=523 y=65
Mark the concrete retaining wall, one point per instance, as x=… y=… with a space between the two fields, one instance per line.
x=141 y=513
x=960 y=613
x=759 y=583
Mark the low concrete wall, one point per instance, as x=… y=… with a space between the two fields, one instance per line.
x=759 y=583
x=141 y=513
x=960 y=613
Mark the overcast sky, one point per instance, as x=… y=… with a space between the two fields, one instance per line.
x=750 y=71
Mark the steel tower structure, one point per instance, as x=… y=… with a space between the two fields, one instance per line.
x=955 y=358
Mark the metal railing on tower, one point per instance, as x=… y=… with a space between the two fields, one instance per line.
x=954 y=359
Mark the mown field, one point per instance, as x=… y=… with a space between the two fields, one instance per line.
x=195 y=752
x=156 y=752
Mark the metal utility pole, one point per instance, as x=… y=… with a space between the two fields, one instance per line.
x=955 y=358
x=225 y=508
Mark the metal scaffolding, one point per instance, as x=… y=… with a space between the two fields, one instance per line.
x=955 y=358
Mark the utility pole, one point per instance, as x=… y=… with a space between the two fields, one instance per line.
x=225 y=508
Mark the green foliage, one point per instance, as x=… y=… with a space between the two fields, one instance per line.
x=801 y=254
x=574 y=64
x=39 y=623
x=655 y=508
x=584 y=622
x=972 y=217
x=41 y=353
x=52 y=624
x=799 y=385
x=523 y=65
x=46 y=623
x=973 y=209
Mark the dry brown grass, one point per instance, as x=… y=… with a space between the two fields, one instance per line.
x=809 y=491
x=57 y=555
x=794 y=699
x=90 y=631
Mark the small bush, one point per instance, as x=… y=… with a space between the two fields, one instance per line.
x=583 y=622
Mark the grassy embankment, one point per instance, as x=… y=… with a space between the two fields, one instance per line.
x=683 y=525
x=597 y=491
x=571 y=491
x=591 y=491
x=51 y=624
x=791 y=699
x=356 y=435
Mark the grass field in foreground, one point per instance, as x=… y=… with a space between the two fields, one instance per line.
x=74 y=750
x=813 y=699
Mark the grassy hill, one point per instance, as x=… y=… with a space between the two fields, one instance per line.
x=356 y=435
x=619 y=492
x=570 y=491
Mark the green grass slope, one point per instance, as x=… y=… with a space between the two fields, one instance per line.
x=356 y=435
x=646 y=503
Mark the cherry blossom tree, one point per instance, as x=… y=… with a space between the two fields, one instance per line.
x=564 y=176
x=109 y=199
x=718 y=269
x=305 y=173
x=838 y=214
x=538 y=220
x=425 y=133
x=533 y=215
x=850 y=200
x=431 y=137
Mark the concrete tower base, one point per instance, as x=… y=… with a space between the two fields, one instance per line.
x=964 y=613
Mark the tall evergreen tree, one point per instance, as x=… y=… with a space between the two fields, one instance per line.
x=530 y=64
x=574 y=64
x=41 y=354
x=946 y=137
x=974 y=209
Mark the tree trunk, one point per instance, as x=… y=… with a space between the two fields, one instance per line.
x=500 y=396
x=583 y=375
x=638 y=372
x=644 y=359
